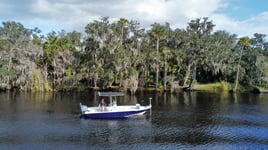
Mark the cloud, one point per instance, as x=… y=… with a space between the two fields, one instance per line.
x=75 y=15
x=255 y=24
x=71 y=15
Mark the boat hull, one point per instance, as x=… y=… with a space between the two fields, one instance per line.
x=112 y=115
x=115 y=114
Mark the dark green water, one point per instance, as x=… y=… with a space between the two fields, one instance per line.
x=194 y=120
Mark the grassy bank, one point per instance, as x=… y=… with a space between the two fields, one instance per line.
x=213 y=87
x=227 y=87
x=209 y=87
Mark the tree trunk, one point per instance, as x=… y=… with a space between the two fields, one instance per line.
x=157 y=65
x=122 y=34
x=156 y=76
x=238 y=70
x=193 y=78
x=187 y=74
x=237 y=77
x=95 y=80
x=165 y=77
x=54 y=73
x=120 y=78
x=8 y=77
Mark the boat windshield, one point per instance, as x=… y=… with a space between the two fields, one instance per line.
x=110 y=94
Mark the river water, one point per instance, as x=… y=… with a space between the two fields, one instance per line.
x=195 y=120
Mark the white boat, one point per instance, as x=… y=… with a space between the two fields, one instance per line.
x=112 y=110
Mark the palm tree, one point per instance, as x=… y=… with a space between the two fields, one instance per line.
x=50 y=51
x=123 y=23
x=58 y=56
x=244 y=43
x=159 y=33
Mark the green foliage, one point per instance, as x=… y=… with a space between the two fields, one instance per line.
x=214 y=87
x=244 y=41
x=112 y=52
x=158 y=31
x=69 y=71
x=6 y=73
x=38 y=83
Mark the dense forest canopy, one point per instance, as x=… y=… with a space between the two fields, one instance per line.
x=124 y=54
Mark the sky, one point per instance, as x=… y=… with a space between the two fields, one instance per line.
x=241 y=17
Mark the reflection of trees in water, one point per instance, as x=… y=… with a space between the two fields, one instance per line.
x=156 y=98
x=245 y=98
x=133 y=99
x=189 y=98
x=165 y=97
x=26 y=101
x=200 y=109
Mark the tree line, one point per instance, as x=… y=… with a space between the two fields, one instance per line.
x=123 y=54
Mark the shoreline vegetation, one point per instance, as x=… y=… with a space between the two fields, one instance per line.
x=216 y=87
x=122 y=55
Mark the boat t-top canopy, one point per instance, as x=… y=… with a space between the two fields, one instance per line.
x=110 y=94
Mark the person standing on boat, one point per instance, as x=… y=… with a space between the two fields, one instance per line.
x=102 y=105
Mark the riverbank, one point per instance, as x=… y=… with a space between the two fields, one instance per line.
x=208 y=87
x=228 y=87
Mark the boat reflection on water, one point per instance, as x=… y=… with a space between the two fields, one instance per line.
x=110 y=132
